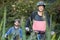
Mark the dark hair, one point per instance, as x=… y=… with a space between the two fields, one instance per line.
x=17 y=20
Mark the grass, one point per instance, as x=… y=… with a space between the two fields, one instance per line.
x=23 y=27
x=4 y=23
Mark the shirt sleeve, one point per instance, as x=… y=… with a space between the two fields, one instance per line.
x=30 y=19
x=8 y=32
x=48 y=19
x=21 y=33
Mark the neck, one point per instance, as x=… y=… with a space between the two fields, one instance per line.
x=16 y=27
x=40 y=13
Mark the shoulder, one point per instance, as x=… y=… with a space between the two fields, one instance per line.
x=11 y=28
x=20 y=29
x=34 y=13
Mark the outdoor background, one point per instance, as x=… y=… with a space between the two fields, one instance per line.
x=12 y=9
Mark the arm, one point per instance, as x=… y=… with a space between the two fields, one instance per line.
x=21 y=34
x=49 y=24
x=32 y=16
x=29 y=20
x=27 y=24
x=48 y=18
x=8 y=32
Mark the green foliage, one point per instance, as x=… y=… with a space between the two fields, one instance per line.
x=4 y=22
x=23 y=27
x=18 y=8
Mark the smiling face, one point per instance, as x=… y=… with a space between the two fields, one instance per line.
x=41 y=8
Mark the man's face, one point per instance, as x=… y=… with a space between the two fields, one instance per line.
x=41 y=8
x=16 y=23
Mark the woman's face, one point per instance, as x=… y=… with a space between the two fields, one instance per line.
x=41 y=8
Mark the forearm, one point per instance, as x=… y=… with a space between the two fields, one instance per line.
x=28 y=22
x=8 y=32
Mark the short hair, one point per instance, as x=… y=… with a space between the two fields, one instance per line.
x=17 y=20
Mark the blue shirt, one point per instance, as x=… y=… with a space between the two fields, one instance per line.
x=12 y=29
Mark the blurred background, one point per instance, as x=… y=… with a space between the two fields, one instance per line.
x=12 y=9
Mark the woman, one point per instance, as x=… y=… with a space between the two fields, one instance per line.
x=40 y=18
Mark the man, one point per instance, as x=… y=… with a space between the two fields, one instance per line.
x=15 y=31
x=40 y=18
